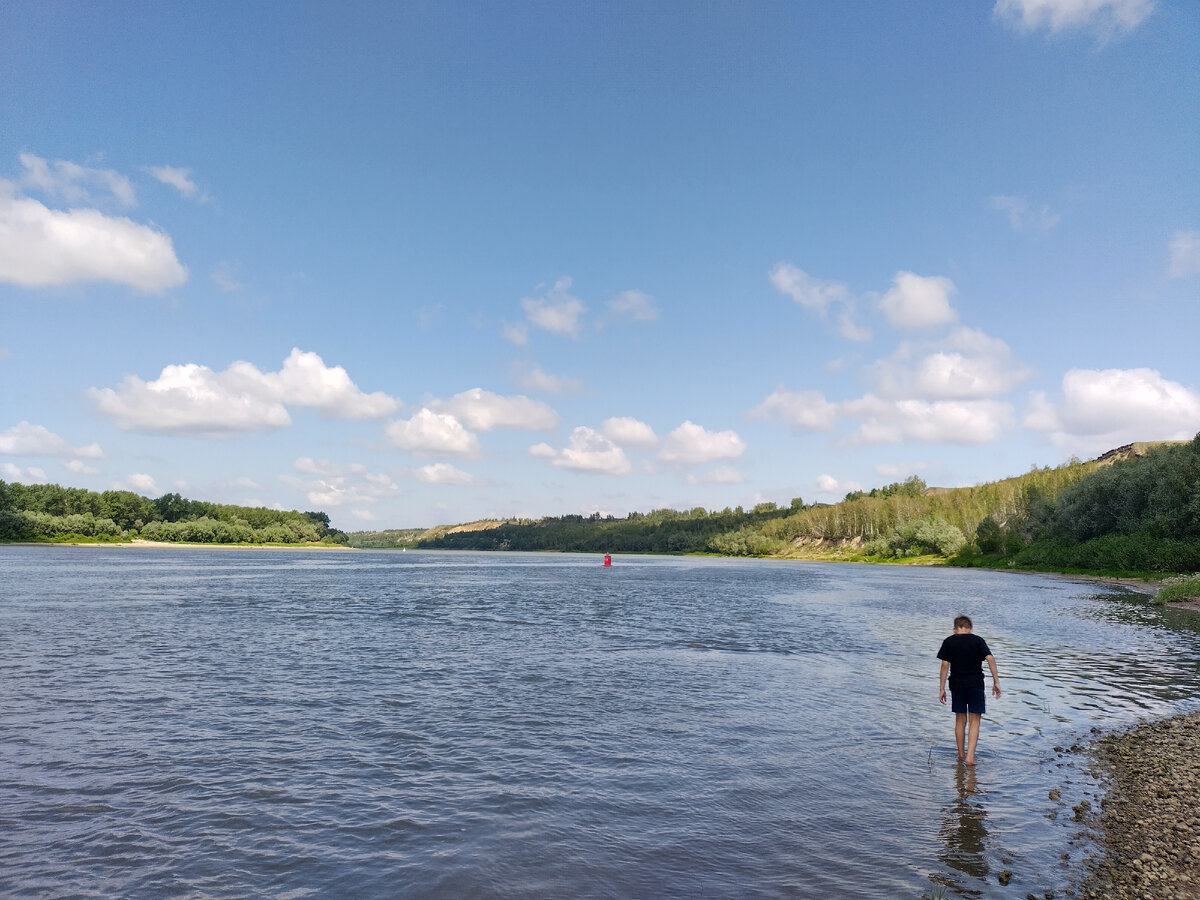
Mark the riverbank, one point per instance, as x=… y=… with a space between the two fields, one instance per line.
x=139 y=542
x=1150 y=819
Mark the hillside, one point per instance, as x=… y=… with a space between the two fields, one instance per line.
x=1048 y=517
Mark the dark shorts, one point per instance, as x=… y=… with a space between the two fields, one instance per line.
x=968 y=700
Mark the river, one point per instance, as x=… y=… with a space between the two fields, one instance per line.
x=230 y=723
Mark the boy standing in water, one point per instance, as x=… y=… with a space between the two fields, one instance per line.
x=961 y=655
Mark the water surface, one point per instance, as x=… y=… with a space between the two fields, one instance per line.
x=292 y=724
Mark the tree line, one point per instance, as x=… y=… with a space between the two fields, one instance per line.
x=50 y=512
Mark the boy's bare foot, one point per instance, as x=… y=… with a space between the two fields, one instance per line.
x=970 y=762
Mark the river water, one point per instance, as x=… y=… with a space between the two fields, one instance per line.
x=370 y=724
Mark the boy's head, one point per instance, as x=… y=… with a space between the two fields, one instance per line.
x=962 y=623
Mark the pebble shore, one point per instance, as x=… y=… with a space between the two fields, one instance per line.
x=1150 y=819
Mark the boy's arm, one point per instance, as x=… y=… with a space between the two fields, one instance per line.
x=991 y=661
x=942 y=680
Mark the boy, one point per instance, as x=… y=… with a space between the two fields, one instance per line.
x=961 y=654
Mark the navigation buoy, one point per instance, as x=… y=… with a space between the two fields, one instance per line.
x=608 y=559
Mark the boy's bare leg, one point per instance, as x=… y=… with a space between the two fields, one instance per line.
x=972 y=736
x=960 y=731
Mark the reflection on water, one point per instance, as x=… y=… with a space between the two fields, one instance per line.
x=230 y=724
x=964 y=833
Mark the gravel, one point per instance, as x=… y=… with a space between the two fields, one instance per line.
x=1150 y=819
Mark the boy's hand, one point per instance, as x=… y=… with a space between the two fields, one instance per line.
x=942 y=696
x=995 y=690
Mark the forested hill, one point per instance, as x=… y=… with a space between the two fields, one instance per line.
x=50 y=512
x=1134 y=509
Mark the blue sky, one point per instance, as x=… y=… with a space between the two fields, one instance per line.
x=431 y=262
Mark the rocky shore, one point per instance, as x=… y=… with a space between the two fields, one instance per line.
x=1150 y=819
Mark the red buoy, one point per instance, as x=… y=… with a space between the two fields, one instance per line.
x=608 y=559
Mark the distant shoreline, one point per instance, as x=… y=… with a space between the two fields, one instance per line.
x=138 y=542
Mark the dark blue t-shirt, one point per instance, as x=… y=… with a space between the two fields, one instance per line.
x=965 y=653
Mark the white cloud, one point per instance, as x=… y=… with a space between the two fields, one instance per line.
x=482 y=410
x=535 y=379
x=637 y=305
x=433 y=434
x=690 y=444
x=1105 y=408
x=364 y=515
x=193 y=399
x=719 y=475
x=326 y=468
x=442 y=473
x=827 y=484
x=224 y=276
x=848 y=326
x=883 y=421
x=1106 y=16
x=1021 y=215
x=586 y=451
x=917 y=301
x=1185 y=254
x=811 y=293
x=557 y=312
x=79 y=467
x=26 y=439
x=516 y=334
x=142 y=483
x=180 y=179
x=41 y=247
x=32 y=475
x=967 y=364
x=626 y=431
x=338 y=484
x=799 y=409
x=74 y=183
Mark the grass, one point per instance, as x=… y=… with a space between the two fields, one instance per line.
x=1177 y=589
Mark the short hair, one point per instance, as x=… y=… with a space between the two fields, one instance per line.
x=962 y=622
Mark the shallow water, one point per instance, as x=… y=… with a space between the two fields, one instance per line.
x=292 y=724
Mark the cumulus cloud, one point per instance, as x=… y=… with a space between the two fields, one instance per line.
x=1104 y=408
x=482 y=410
x=883 y=421
x=26 y=439
x=180 y=179
x=193 y=399
x=140 y=483
x=535 y=379
x=557 y=311
x=79 y=467
x=1022 y=216
x=811 y=293
x=626 y=431
x=42 y=247
x=442 y=473
x=31 y=475
x=75 y=184
x=587 y=451
x=827 y=484
x=1106 y=16
x=799 y=409
x=690 y=444
x=1185 y=254
x=967 y=364
x=433 y=434
x=916 y=301
x=719 y=475
x=636 y=305
x=338 y=485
